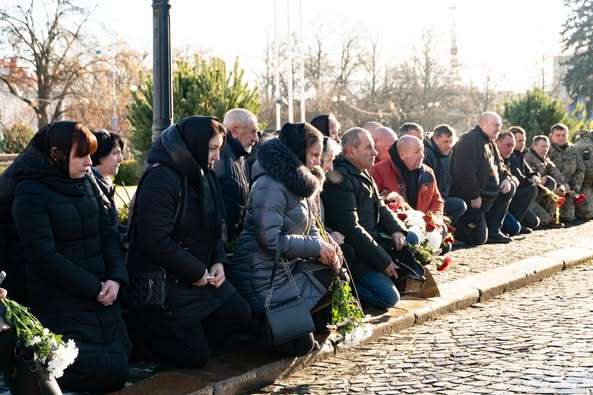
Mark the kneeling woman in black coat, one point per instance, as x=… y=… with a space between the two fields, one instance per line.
x=178 y=227
x=74 y=265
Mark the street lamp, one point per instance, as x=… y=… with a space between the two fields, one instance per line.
x=162 y=101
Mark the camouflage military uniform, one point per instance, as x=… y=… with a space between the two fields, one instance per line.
x=543 y=206
x=584 y=143
x=569 y=161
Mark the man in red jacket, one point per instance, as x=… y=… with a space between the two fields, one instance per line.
x=405 y=174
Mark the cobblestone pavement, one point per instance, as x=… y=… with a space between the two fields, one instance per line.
x=535 y=340
x=468 y=261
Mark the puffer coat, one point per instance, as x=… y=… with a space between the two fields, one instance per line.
x=279 y=215
x=70 y=248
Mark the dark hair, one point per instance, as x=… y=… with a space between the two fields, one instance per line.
x=406 y=127
x=540 y=137
x=517 y=130
x=443 y=130
x=503 y=135
x=558 y=126
x=106 y=142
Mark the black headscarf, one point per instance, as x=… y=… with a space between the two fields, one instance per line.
x=186 y=144
x=321 y=122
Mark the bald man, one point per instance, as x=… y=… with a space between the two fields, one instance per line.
x=480 y=178
x=384 y=138
x=405 y=174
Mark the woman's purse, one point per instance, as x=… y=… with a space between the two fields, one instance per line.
x=147 y=291
x=292 y=318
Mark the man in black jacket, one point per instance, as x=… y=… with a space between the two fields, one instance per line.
x=528 y=179
x=354 y=208
x=232 y=170
x=480 y=178
x=436 y=156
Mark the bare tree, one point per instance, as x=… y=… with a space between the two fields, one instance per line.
x=349 y=62
x=482 y=99
x=370 y=62
x=48 y=36
x=106 y=91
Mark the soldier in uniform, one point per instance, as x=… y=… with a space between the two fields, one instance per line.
x=570 y=163
x=584 y=142
x=537 y=159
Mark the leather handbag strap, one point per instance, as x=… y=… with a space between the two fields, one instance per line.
x=288 y=272
x=181 y=206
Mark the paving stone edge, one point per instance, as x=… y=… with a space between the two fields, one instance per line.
x=455 y=295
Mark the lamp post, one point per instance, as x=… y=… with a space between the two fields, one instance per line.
x=162 y=101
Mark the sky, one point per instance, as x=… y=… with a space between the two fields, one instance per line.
x=509 y=41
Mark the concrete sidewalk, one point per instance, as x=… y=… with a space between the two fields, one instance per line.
x=237 y=372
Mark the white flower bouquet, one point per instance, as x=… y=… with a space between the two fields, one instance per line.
x=48 y=348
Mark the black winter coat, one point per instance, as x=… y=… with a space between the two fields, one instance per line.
x=439 y=163
x=70 y=248
x=474 y=160
x=354 y=208
x=519 y=168
x=185 y=251
x=231 y=172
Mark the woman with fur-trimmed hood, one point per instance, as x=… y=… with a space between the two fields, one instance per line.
x=280 y=214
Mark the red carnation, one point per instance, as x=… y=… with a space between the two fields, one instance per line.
x=449 y=240
x=430 y=227
x=561 y=201
x=579 y=198
x=427 y=218
x=402 y=216
x=445 y=264
x=393 y=206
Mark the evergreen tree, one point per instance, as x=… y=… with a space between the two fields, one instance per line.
x=578 y=38
x=205 y=88
x=536 y=113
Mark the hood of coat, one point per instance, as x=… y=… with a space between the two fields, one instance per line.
x=184 y=147
x=277 y=160
x=431 y=145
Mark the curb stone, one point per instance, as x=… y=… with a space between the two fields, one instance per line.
x=455 y=295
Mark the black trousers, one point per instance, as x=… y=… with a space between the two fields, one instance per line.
x=475 y=224
x=184 y=343
x=520 y=203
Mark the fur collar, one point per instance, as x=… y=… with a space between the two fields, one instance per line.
x=278 y=161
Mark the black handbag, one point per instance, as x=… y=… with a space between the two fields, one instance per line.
x=147 y=291
x=291 y=319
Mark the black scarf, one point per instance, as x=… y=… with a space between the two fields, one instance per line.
x=410 y=177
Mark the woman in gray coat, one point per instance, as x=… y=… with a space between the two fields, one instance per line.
x=280 y=214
